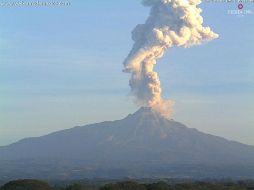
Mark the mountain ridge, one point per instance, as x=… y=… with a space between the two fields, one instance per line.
x=143 y=144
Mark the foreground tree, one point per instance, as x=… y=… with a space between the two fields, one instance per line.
x=26 y=184
x=129 y=185
x=159 y=186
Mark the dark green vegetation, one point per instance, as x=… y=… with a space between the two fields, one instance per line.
x=130 y=185
x=26 y=185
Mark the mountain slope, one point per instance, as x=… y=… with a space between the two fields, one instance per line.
x=141 y=145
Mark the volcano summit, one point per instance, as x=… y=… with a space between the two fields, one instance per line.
x=142 y=145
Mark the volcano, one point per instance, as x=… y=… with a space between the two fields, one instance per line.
x=142 y=145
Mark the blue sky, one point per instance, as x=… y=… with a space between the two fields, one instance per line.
x=62 y=66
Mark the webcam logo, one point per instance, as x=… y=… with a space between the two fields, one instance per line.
x=240 y=6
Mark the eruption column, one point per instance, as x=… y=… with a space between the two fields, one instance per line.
x=170 y=23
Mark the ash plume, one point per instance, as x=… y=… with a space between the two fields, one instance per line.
x=170 y=23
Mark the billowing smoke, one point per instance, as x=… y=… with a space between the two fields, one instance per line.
x=170 y=23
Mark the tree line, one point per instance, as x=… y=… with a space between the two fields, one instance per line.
x=129 y=185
